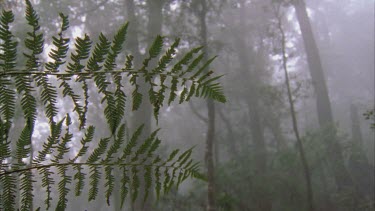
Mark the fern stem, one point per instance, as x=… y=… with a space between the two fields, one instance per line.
x=36 y=167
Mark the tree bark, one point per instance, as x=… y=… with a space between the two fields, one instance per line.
x=341 y=174
x=210 y=137
x=305 y=165
x=249 y=66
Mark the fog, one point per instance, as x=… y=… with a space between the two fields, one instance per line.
x=296 y=131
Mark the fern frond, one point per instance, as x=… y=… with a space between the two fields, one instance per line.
x=147 y=177
x=88 y=137
x=213 y=91
x=167 y=58
x=203 y=68
x=99 y=151
x=8 y=56
x=5 y=149
x=79 y=176
x=172 y=94
x=52 y=140
x=68 y=91
x=136 y=160
x=137 y=98
x=9 y=45
x=186 y=60
x=8 y=196
x=47 y=182
x=63 y=187
x=118 y=141
x=34 y=42
x=62 y=46
x=26 y=189
x=94 y=181
x=157 y=176
x=156 y=47
x=135 y=184
x=124 y=190
x=167 y=179
x=110 y=112
x=24 y=144
x=48 y=96
x=144 y=147
x=83 y=46
x=28 y=101
x=101 y=50
x=62 y=147
x=7 y=105
x=132 y=143
x=154 y=146
x=109 y=184
x=116 y=48
x=120 y=99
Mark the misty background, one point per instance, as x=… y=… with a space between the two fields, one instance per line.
x=298 y=76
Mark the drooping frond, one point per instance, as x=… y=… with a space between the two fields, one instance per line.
x=8 y=47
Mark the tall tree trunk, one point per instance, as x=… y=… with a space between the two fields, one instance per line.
x=306 y=168
x=210 y=137
x=230 y=135
x=341 y=174
x=249 y=67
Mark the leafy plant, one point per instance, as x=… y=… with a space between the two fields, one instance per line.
x=90 y=66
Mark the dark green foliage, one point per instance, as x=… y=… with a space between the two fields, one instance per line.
x=370 y=115
x=56 y=165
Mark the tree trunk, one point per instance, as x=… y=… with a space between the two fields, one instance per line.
x=341 y=174
x=249 y=67
x=233 y=152
x=210 y=137
x=306 y=168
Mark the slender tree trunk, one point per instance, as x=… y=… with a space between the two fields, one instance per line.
x=249 y=67
x=306 y=169
x=230 y=135
x=341 y=174
x=210 y=137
